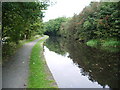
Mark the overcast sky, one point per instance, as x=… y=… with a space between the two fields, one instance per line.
x=65 y=8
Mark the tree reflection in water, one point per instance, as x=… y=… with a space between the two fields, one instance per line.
x=100 y=66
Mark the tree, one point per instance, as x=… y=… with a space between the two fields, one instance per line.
x=52 y=27
x=20 y=20
x=98 y=20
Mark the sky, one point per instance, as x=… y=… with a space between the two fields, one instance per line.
x=65 y=8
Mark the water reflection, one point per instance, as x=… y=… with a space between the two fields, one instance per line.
x=82 y=65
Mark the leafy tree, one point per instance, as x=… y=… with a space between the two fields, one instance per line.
x=52 y=26
x=98 y=20
x=20 y=20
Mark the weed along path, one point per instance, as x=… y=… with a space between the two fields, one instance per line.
x=15 y=72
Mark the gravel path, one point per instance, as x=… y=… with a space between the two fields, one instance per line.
x=15 y=72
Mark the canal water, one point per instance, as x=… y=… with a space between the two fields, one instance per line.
x=75 y=65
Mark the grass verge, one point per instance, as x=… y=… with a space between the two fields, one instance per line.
x=93 y=43
x=111 y=45
x=38 y=77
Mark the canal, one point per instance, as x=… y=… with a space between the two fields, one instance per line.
x=75 y=65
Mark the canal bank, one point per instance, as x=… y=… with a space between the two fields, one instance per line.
x=39 y=73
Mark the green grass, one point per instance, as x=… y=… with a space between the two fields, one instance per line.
x=37 y=74
x=103 y=43
x=93 y=43
x=111 y=45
